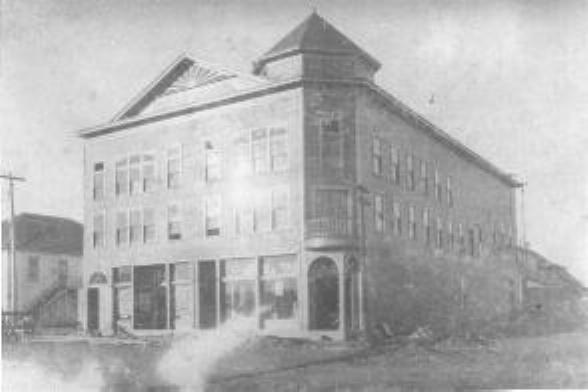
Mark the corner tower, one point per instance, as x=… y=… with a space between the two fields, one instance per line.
x=316 y=49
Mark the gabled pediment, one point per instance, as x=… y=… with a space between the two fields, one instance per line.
x=185 y=80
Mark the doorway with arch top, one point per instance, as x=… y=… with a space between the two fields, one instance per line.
x=323 y=295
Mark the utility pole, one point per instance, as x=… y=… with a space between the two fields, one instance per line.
x=10 y=178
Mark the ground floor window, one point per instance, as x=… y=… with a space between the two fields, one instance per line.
x=238 y=287
x=279 y=289
x=150 y=297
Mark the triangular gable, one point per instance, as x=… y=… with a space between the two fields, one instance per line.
x=183 y=75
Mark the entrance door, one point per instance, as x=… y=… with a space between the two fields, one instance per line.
x=323 y=290
x=150 y=290
x=93 y=309
x=207 y=290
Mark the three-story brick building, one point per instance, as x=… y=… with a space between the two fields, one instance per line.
x=286 y=195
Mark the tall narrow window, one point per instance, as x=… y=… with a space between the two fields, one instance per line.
x=135 y=226
x=98 y=231
x=471 y=242
x=212 y=207
x=122 y=177
x=98 y=183
x=424 y=177
x=439 y=233
x=173 y=168
x=122 y=228
x=331 y=142
x=450 y=235
x=148 y=225
x=174 y=223
x=244 y=218
x=449 y=190
x=279 y=208
x=259 y=150
x=426 y=226
x=410 y=172
x=212 y=162
x=460 y=234
x=394 y=166
x=412 y=226
x=278 y=149
x=376 y=156
x=148 y=173
x=262 y=213
x=242 y=155
x=379 y=213
x=438 y=186
x=397 y=218
x=33 y=269
x=135 y=174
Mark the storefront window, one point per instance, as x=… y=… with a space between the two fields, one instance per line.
x=279 y=294
x=239 y=287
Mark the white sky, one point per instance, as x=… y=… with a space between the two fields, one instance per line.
x=508 y=78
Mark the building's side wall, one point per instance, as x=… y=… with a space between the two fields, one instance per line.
x=409 y=282
x=29 y=289
x=221 y=127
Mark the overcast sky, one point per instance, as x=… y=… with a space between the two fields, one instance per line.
x=508 y=78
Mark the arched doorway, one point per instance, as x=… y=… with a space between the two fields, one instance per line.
x=323 y=294
x=352 y=295
x=93 y=301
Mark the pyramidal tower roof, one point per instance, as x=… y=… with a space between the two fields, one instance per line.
x=314 y=35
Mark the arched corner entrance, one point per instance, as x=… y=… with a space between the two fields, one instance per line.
x=93 y=301
x=323 y=295
x=352 y=295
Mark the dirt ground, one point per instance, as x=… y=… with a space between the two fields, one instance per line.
x=267 y=364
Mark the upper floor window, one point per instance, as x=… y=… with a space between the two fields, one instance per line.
x=261 y=213
x=121 y=177
x=379 y=213
x=412 y=226
x=135 y=229
x=424 y=177
x=331 y=142
x=148 y=225
x=122 y=228
x=332 y=210
x=450 y=235
x=212 y=162
x=259 y=149
x=426 y=226
x=33 y=269
x=98 y=231
x=98 y=181
x=439 y=233
x=471 y=242
x=396 y=218
x=135 y=174
x=242 y=155
x=278 y=149
x=410 y=172
x=377 y=156
x=173 y=167
x=174 y=223
x=394 y=166
x=449 y=190
x=148 y=172
x=244 y=218
x=438 y=186
x=280 y=208
x=212 y=213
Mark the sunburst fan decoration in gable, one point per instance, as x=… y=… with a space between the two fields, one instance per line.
x=196 y=75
